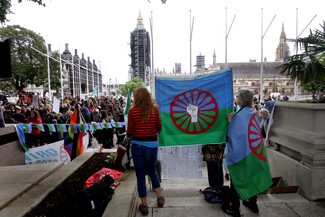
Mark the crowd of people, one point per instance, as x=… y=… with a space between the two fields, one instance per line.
x=106 y=109
x=142 y=130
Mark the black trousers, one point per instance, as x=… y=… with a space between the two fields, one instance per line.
x=234 y=199
x=215 y=173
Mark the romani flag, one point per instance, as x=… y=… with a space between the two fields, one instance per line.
x=27 y=128
x=40 y=127
x=128 y=103
x=51 y=127
x=194 y=110
x=249 y=168
x=62 y=128
x=126 y=109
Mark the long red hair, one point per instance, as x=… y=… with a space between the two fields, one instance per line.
x=142 y=99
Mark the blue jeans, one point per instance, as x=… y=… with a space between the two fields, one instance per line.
x=144 y=160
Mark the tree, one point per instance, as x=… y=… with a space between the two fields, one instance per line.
x=28 y=66
x=5 y=6
x=314 y=87
x=132 y=85
x=310 y=65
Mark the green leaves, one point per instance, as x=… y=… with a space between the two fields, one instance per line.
x=131 y=85
x=310 y=65
x=28 y=65
x=5 y=6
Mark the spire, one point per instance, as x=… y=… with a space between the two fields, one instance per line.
x=140 y=21
x=214 y=58
x=283 y=36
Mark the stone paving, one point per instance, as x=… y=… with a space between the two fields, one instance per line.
x=22 y=187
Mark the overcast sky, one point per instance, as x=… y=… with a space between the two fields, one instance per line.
x=101 y=29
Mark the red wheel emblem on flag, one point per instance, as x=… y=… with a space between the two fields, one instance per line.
x=255 y=138
x=194 y=111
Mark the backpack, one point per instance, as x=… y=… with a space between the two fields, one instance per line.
x=219 y=194
x=94 y=199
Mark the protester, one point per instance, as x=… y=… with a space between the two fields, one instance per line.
x=143 y=127
x=213 y=155
x=106 y=135
x=85 y=112
x=241 y=159
x=47 y=137
x=33 y=138
x=264 y=121
x=18 y=117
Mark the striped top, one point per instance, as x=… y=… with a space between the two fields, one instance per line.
x=143 y=131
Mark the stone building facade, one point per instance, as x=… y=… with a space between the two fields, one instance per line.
x=81 y=77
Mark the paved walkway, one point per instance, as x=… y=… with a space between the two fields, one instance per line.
x=22 y=187
x=184 y=200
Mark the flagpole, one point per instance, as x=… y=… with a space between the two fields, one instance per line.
x=227 y=34
x=79 y=78
x=87 y=74
x=226 y=45
x=295 y=88
x=262 y=37
x=152 y=60
x=191 y=32
x=72 y=69
x=48 y=72
x=61 y=77
x=92 y=71
x=98 y=79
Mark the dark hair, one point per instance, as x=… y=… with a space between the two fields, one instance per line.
x=103 y=114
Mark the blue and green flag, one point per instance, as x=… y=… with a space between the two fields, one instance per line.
x=246 y=155
x=128 y=103
x=194 y=110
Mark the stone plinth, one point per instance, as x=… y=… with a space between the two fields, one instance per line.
x=11 y=151
x=297 y=146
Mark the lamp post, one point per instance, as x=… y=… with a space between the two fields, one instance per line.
x=48 y=72
x=297 y=36
x=227 y=34
x=191 y=32
x=61 y=77
x=79 y=77
x=262 y=61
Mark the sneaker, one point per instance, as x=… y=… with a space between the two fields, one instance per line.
x=252 y=206
x=160 y=201
x=230 y=211
x=144 y=209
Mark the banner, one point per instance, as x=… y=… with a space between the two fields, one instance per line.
x=194 y=111
x=51 y=153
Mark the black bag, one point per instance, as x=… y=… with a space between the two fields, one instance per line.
x=220 y=194
x=94 y=199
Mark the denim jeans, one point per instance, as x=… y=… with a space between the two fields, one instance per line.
x=144 y=160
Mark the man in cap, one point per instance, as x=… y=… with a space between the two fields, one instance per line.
x=18 y=117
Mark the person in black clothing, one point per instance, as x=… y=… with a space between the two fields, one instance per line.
x=106 y=135
x=18 y=117
x=245 y=101
x=213 y=155
x=47 y=118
